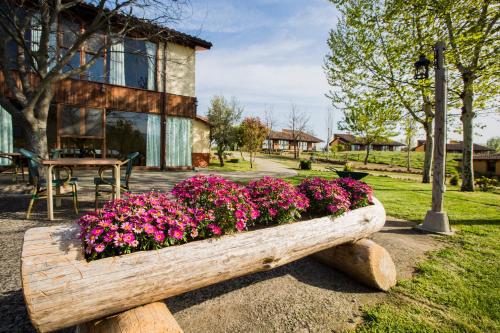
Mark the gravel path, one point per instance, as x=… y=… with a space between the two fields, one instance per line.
x=303 y=296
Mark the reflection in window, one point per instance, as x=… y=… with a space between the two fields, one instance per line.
x=93 y=122
x=70 y=121
x=127 y=132
x=96 y=71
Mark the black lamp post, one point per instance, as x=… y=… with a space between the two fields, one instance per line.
x=422 y=68
x=436 y=219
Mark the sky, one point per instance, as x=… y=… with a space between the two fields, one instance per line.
x=270 y=54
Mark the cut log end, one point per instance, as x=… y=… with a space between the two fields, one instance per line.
x=364 y=260
x=150 y=318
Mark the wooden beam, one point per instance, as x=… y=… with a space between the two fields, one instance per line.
x=364 y=261
x=61 y=289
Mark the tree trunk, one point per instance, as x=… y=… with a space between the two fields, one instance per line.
x=220 y=154
x=467 y=119
x=408 y=157
x=251 y=160
x=367 y=153
x=429 y=151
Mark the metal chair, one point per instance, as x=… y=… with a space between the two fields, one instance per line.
x=40 y=185
x=110 y=181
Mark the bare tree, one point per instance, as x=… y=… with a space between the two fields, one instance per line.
x=271 y=123
x=32 y=63
x=297 y=123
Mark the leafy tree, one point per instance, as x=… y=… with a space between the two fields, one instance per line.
x=373 y=48
x=371 y=119
x=473 y=35
x=223 y=115
x=31 y=67
x=494 y=143
x=253 y=133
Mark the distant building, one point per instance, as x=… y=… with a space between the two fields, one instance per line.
x=455 y=147
x=349 y=142
x=487 y=164
x=284 y=140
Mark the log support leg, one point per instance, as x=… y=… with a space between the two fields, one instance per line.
x=364 y=260
x=149 y=318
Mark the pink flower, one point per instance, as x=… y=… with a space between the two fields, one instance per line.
x=159 y=236
x=194 y=233
x=240 y=225
x=272 y=212
x=128 y=238
x=149 y=229
x=239 y=214
x=216 y=230
x=99 y=248
x=176 y=233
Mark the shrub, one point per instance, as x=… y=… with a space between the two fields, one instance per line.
x=277 y=200
x=234 y=160
x=137 y=222
x=305 y=165
x=227 y=202
x=348 y=167
x=325 y=196
x=486 y=184
x=454 y=180
x=360 y=193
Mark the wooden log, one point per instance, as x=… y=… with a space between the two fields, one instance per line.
x=364 y=260
x=62 y=289
x=151 y=318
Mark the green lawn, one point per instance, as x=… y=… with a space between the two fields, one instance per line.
x=457 y=289
x=229 y=166
x=394 y=158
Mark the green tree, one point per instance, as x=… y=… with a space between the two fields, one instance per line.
x=373 y=47
x=410 y=129
x=494 y=143
x=223 y=115
x=370 y=118
x=473 y=36
x=253 y=134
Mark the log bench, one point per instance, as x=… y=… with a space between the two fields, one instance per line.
x=124 y=293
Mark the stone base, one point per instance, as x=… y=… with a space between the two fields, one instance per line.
x=436 y=222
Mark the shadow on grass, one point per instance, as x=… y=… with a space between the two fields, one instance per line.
x=305 y=270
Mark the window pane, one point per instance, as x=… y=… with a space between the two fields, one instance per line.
x=73 y=63
x=70 y=121
x=93 y=122
x=127 y=132
x=94 y=43
x=96 y=71
x=139 y=68
x=71 y=30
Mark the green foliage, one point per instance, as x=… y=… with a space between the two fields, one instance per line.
x=348 y=167
x=223 y=115
x=494 y=143
x=454 y=180
x=253 y=133
x=234 y=160
x=305 y=165
x=486 y=184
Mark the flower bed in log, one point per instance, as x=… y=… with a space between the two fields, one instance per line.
x=209 y=206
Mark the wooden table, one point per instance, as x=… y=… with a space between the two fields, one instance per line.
x=16 y=161
x=79 y=162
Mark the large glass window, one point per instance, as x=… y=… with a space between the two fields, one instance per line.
x=133 y=64
x=127 y=132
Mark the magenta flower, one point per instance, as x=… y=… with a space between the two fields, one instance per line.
x=159 y=236
x=240 y=225
x=176 y=233
x=99 y=247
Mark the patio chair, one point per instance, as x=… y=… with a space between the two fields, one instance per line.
x=40 y=185
x=109 y=182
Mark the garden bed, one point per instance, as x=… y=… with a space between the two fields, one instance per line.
x=62 y=289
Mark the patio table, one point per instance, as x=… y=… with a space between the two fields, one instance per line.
x=77 y=162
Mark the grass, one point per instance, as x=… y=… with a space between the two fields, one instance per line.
x=394 y=158
x=229 y=166
x=457 y=289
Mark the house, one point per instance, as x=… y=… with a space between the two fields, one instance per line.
x=286 y=140
x=486 y=164
x=456 y=147
x=349 y=142
x=140 y=96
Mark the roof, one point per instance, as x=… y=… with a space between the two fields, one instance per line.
x=349 y=138
x=203 y=119
x=483 y=157
x=148 y=28
x=287 y=134
x=459 y=146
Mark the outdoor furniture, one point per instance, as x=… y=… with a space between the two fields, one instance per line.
x=16 y=165
x=40 y=186
x=77 y=162
x=349 y=174
x=111 y=181
x=62 y=289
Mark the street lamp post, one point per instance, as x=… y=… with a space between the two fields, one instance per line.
x=436 y=219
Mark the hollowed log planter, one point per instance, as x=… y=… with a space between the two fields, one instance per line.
x=62 y=289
